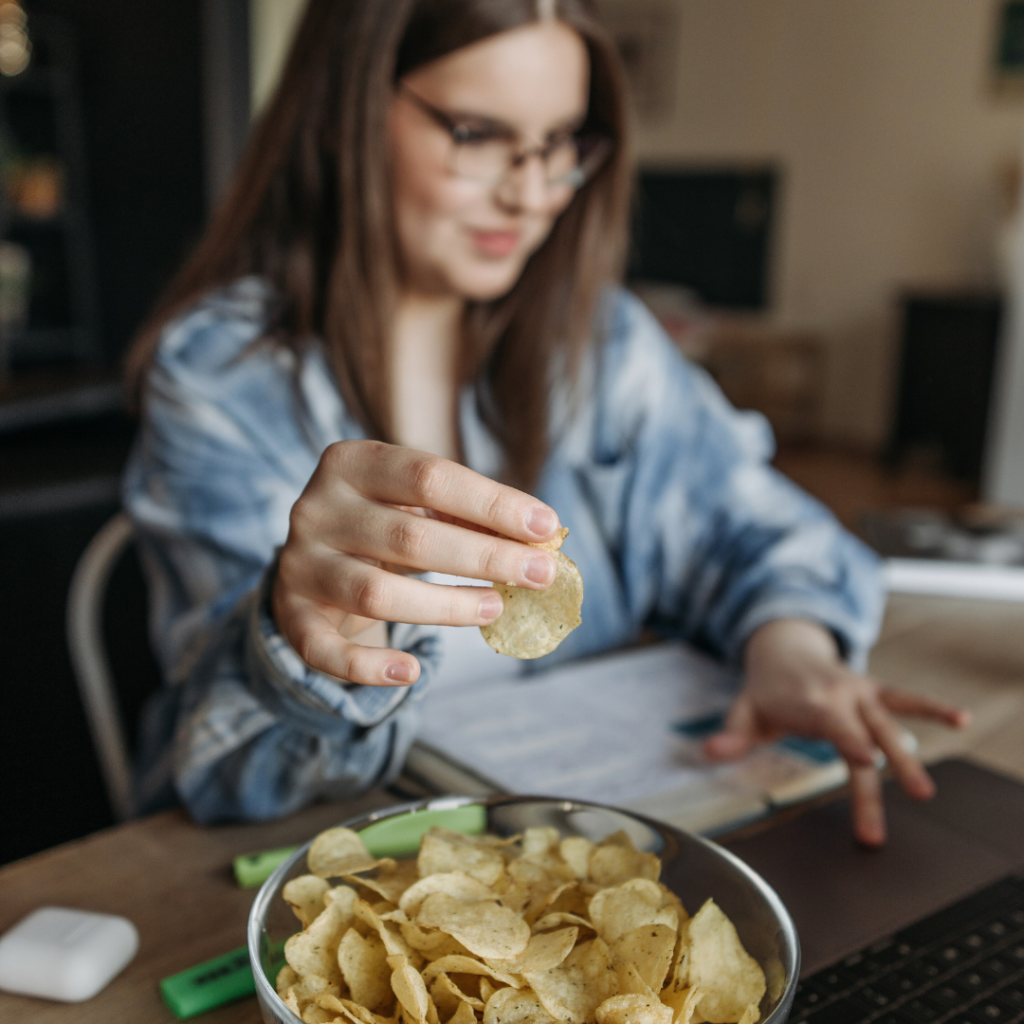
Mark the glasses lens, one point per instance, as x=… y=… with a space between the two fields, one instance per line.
x=484 y=160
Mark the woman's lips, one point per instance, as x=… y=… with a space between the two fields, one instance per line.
x=495 y=243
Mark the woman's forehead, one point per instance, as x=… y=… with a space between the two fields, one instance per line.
x=532 y=77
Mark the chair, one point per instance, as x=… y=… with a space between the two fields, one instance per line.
x=90 y=663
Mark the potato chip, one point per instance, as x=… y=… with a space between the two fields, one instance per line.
x=559 y=920
x=512 y=1006
x=575 y=851
x=649 y=949
x=364 y=967
x=442 y=850
x=630 y=982
x=443 y=991
x=615 y=860
x=633 y=1009
x=454 y=883
x=630 y=905
x=352 y=1011
x=683 y=1003
x=463 y=1015
x=286 y=977
x=467 y=965
x=409 y=988
x=390 y=884
x=534 y=622
x=487 y=988
x=307 y=990
x=543 y=952
x=484 y=928
x=574 y=989
x=392 y=938
x=317 y=1015
x=340 y=851
x=305 y=895
x=729 y=976
x=313 y=951
x=540 y=840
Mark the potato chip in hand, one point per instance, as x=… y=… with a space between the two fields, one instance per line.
x=535 y=622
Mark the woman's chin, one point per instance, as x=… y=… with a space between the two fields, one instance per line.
x=492 y=280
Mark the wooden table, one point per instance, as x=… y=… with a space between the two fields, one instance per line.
x=173 y=878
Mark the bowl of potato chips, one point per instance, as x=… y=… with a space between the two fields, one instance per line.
x=518 y=910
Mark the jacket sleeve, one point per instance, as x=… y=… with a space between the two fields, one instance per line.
x=714 y=542
x=243 y=729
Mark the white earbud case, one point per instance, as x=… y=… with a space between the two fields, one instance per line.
x=70 y=955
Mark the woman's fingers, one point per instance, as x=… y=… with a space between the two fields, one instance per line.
x=866 y=799
x=901 y=703
x=740 y=734
x=399 y=537
x=401 y=476
x=322 y=647
x=889 y=737
x=359 y=588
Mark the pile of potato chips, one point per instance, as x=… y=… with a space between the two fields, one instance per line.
x=534 y=929
x=534 y=622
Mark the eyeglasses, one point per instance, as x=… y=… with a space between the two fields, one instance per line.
x=486 y=151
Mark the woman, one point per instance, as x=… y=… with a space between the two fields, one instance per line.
x=420 y=249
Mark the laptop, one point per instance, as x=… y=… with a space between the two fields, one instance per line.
x=929 y=929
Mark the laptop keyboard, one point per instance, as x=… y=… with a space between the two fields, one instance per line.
x=962 y=965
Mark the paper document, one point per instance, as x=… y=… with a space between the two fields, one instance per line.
x=613 y=729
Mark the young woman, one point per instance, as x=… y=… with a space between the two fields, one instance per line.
x=401 y=343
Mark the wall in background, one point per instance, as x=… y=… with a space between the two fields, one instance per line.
x=881 y=114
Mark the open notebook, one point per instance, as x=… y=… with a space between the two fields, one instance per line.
x=622 y=729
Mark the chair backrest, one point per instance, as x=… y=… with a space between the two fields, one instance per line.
x=89 y=659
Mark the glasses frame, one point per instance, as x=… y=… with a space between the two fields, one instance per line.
x=601 y=146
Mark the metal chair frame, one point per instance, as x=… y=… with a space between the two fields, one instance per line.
x=89 y=659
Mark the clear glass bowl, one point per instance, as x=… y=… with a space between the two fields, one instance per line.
x=692 y=867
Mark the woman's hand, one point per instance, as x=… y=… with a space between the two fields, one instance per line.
x=797 y=684
x=370 y=514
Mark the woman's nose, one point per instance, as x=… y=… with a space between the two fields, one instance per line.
x=525 y=187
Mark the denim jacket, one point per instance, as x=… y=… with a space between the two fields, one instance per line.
x=677 y=522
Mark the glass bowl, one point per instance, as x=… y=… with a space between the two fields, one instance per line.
x=692 y=867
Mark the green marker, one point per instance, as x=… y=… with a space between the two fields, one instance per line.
x=253 y=869
x=214 y=983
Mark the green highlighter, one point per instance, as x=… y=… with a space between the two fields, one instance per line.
x=253 y=869
x=221 y=980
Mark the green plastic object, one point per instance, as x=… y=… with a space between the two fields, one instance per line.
x=253 y=869
x=207 y=986
x=400 y=836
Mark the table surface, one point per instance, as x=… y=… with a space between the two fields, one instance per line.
x=173 y=878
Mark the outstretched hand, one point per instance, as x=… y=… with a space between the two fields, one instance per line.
x=797 y=684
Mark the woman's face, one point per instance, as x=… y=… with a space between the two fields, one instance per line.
x=460 y=231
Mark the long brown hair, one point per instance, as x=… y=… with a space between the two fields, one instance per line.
x=310 y=211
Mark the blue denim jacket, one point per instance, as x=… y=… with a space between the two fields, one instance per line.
x=677 y=523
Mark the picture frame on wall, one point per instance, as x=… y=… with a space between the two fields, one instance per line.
x=1008 y=49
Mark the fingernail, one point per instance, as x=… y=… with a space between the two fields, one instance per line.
x=541 y=521
x=491 y=606
x=540 y=569
x=400 y=672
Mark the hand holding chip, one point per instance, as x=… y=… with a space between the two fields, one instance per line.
x=797 y=684
x=371 y=514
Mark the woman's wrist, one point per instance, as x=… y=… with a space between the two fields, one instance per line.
x=793 y=642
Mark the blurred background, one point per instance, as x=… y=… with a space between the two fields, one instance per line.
x=828 y=218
